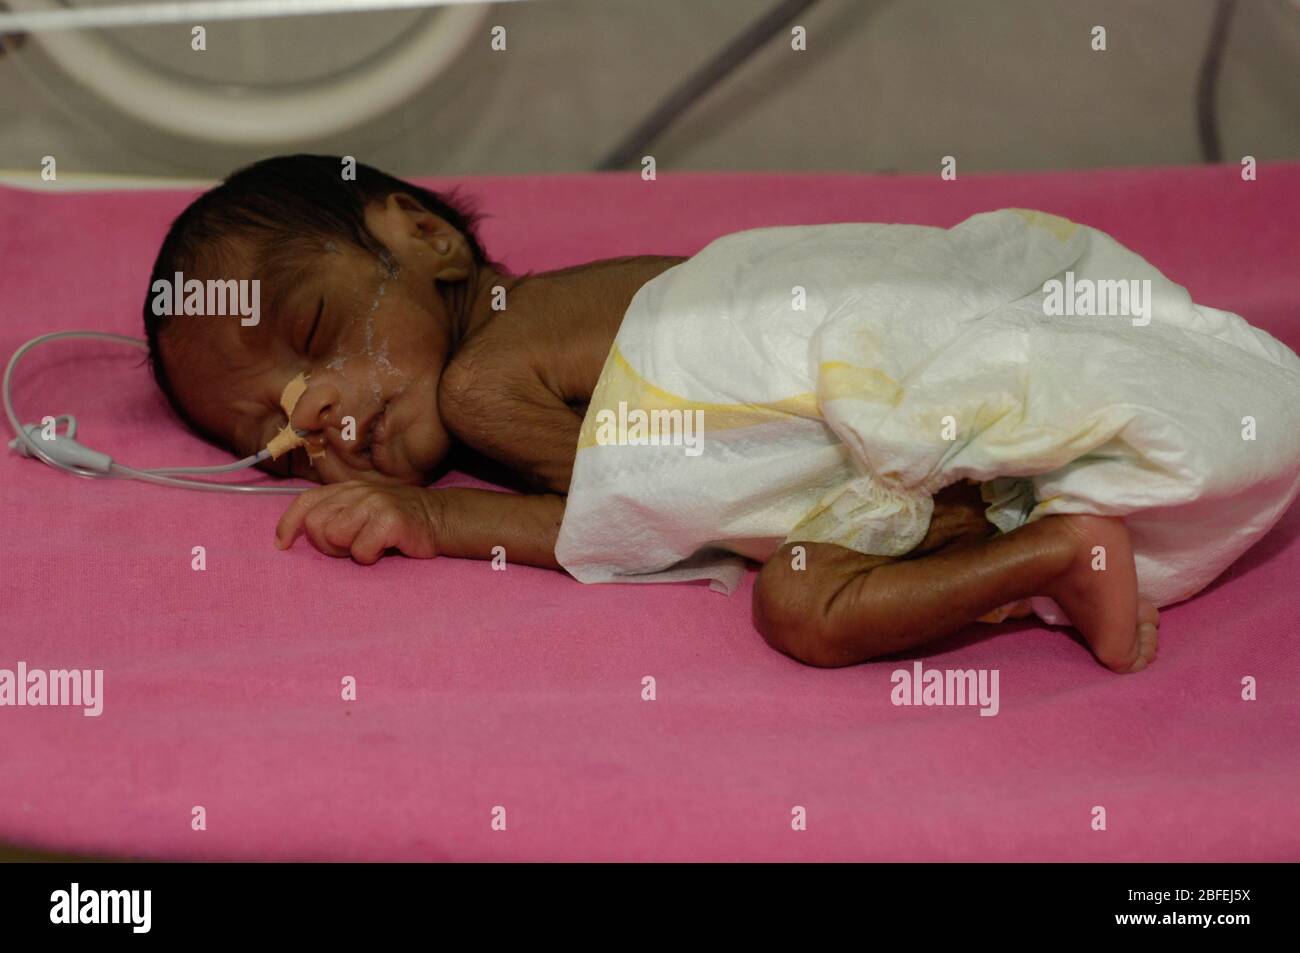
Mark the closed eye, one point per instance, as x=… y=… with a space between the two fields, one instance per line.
x=311 y=336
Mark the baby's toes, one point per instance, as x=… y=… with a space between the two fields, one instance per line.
x=1147 y=612
x=1148 y=639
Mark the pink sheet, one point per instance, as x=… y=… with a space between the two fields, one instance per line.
x=523 y=688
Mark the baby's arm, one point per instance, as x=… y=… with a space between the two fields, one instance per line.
x=362 y=520
x=499 y=404
x=470 y=523
x=518 y=388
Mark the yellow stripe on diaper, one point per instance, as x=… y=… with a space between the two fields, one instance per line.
x=839 y=380
x=620 y=382
x=1060 y=228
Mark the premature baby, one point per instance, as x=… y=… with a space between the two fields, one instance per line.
x=874 y=537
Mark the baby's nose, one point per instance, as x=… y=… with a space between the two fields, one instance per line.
x=315 y=408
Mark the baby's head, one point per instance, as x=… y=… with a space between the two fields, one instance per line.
x=364 y=287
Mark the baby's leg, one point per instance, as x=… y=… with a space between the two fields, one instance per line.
x=845 y=607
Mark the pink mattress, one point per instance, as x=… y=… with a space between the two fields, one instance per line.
x=522 y=689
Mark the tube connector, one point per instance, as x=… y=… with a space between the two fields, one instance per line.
x=63 y=449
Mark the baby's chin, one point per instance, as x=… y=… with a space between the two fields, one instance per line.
x=413 y=456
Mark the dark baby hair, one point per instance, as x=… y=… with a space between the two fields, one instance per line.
x=284 y=210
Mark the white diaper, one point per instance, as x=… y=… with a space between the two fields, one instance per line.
x=846 y=373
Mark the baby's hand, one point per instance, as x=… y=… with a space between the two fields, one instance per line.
x=361 y=520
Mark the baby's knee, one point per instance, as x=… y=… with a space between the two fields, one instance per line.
x=792 y=611
x=824 y=604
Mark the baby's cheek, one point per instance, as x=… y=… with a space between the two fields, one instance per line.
x=437 y=447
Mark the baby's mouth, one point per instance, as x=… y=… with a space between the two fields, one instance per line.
x=374 y=435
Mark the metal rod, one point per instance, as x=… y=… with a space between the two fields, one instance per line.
x=736 y=53
x=150 y=14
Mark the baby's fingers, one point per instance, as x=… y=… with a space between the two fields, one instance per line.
x=295 y=516
x=382 y=529
x=340 y=529
x=383 y=526
x=321 y=528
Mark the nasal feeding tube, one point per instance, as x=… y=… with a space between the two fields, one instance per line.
x=63 y=452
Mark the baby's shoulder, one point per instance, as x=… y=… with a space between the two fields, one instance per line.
x=493 y=353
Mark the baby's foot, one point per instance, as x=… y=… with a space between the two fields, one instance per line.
x=1103 y=604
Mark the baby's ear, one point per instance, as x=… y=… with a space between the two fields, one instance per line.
x=405 y=219
x=401 y=205
x=453 y=260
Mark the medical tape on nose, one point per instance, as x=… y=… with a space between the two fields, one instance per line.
x=287 y=439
